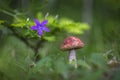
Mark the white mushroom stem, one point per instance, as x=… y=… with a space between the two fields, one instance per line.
x=72 y=57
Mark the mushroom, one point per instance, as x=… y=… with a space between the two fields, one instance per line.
x=71 y=44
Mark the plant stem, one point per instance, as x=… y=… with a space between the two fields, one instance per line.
x=72 y=57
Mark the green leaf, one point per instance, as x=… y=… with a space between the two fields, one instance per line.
x=83 y=64
x=49 y=38
x=22 y=23
x=43 y=65
x=1 y=21
x=40 y=16
x=51 y=19
x=60 y=67
x=99 y=60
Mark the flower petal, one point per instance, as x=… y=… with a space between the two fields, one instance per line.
x=40 y=32
x=34 y=28
x=44 y=22
x=46 y=29
x=37 y=22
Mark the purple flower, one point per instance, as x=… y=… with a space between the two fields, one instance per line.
x=40 y=27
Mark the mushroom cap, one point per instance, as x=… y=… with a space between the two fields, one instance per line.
x=72 y=43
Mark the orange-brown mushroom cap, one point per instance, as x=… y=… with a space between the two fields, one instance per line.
x=72 y=43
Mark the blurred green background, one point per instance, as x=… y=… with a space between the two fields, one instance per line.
x=95 y=22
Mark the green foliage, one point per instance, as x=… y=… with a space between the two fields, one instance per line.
x=19 y=44
x=55 y=25
x=49 y=67
x=73 y=27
